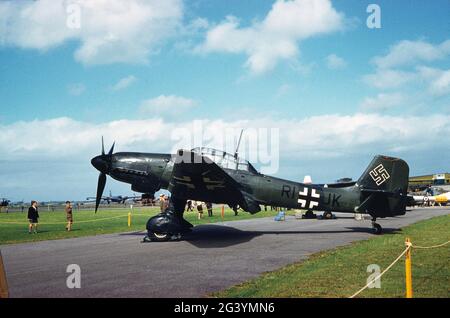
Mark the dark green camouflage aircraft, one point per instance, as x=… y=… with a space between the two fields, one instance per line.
x=215 y=176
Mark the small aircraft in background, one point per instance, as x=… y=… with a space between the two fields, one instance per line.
x=115 y=198
x=439 y=199
x=4 y=202
x=442 y=199
x=211 y=175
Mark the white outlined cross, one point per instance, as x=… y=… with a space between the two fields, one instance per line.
x=304 y=197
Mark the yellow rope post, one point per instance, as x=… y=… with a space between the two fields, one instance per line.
x=408 y=271
x=3 y=283
x=129 y=219
x=223 y=212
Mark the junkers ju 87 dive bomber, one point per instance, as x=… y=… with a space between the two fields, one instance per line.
x=211 y=175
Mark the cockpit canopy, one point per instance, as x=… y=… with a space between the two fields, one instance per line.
x=225 y=160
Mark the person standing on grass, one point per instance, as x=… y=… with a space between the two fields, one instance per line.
x=210 y=209
x=69 y=216
x=200 y=209
x=236 y=211
x=162 y=204
x=33 y=216
x=189 y=206
x=166 y=202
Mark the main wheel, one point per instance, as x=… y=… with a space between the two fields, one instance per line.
x=376 y=228
x=158 y=237
x=309 y=214
x=327 y=215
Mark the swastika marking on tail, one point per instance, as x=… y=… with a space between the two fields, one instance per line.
x=379 y=175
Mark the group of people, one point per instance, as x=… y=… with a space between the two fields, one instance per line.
x=33 y=217
x=191 y=205
x=33 y=213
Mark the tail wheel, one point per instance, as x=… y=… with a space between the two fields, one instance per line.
x=377 y=229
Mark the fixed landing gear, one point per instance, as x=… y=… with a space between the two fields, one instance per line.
x=309 y=214
x=328 y=215
x=168 y=225
x=376 y=228
x=161 y=237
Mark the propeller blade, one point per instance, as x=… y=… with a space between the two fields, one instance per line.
x=112 y=149
x=100 y=187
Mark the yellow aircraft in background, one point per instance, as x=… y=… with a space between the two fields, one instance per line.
x=441 y=199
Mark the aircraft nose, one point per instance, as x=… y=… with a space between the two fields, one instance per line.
x=100 y=164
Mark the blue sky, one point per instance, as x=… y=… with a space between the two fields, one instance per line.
x=198 y=63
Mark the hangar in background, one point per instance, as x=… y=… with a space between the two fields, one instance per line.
x=421 y=182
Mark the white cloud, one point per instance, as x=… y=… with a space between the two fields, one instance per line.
x=110 y=31
x=124 y=82
x=196 y=25
x=323 y=136
x=441 y=85
x=277 y=36
x=167 y=105
x=283 y=90
x=76 y=89
x=335 y=62
x=439 y=80
x=405 y=64
x=386 y=78
x=64 y=136
x=410 y=52
x=382 y=102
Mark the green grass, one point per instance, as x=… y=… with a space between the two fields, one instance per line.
x=342 y=271
x=14 y=226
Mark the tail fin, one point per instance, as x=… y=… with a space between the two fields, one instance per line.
x=384 y=187
x=385 y=173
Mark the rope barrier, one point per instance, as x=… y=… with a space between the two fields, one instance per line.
x=409 y=245
x=83 y=221
x=433 y=246
x=379 y=276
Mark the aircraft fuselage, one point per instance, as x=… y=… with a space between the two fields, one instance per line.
x=150 y=172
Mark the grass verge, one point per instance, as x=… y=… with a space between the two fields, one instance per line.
x=342 y=271
x=14 y=226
